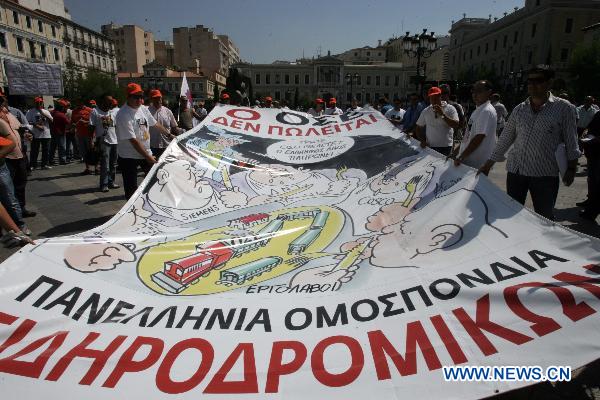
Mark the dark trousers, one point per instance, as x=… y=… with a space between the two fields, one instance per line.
x=35 y=149
x=543 y=190
x=157 y=152
x=129 y=169
x=58 y=142
x=443 y=150
x=71 y=146
x=593 y=182
x=108 y=163
x=18 y=173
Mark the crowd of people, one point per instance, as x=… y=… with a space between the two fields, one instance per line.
x=542 y=135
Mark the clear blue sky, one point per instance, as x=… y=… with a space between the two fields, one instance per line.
x=268 y=30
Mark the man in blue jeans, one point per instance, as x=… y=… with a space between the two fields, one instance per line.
x=535 y=129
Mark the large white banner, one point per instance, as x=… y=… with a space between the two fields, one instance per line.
x=272 y=255
x=33 y=79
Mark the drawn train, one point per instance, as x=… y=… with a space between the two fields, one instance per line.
x=178 y=274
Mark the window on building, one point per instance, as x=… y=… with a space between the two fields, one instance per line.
x=368 y=80
x=512 y=64
x=16 y=17
x=358 y=97
x=379 y=54
x=501 y=67
x=505 y=41
x=296 y=79
x=359 y=80
x=387 y=80
x=257 y=79
x=495 y=44
x=478 y=51
x=77 y=56
x=368 y=97
x=533 y=29
x=277 y=79
x=31 y=49
x=277 y=95
x=453 y=60
x=56 y=55
x=516 y=38
x=268 y=79
x=537 y=2
x=98 y=60
x=307 y=79
x=40 y=26
x=84 y=57
x=564 y=54
x=355 y=54
x=465 y=56
x=493 y=68
x=487 y=48
x=569 y=25
x=3 y=40
x=396 y=80
x=529 y=57
x=28 y=21
x=43 y=51
x=368 y=53
x=286 y=79
x=471 y=54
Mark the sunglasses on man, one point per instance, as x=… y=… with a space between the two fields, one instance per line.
x=536 y=80
x=137 y=96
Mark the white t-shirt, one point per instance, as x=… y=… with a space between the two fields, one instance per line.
x=350 y=109
x=438 y=132
x=501 y=114
x=482 y=122
x=314 y=112
x=165 y=117
x=395 y=114
x=333 y=111
x=133 y=123
x=104 y=124
x=40 y=117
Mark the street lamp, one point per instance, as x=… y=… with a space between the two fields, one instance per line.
x=419 y=46
x=350 y=80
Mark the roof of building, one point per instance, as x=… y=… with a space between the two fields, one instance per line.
x=592 y=27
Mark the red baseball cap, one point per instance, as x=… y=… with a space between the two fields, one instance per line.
x=134 y=88
x=433 y=91
x=92 y=102
x=268 y=99
x=155 y=93
x=38 y=100
x=225 y=96
x=63 y=102
x=332 y=100
x=319 y=101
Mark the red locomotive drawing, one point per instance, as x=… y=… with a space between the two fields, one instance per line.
x=189 y=269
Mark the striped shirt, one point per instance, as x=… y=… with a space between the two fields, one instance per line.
x=536 y=135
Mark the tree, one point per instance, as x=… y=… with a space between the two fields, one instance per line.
x=78 y=87
x=583 y=69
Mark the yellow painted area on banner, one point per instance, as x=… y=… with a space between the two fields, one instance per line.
x=285 y=243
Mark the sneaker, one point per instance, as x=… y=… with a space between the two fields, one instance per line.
x=46 y=167
x=26 y=230
x=28 y=214
x=584 y=203
x=104 y=189
x=114 y=186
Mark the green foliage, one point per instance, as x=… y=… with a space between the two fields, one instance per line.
x=91 y=86
x=583 y=68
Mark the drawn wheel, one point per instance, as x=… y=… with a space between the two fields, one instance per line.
x=195 y=281
x=206 y=274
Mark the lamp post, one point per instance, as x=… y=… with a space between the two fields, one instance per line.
x=419 y=46
x=350 y=80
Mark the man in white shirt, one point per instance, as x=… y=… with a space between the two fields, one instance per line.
x=40 y=119
x=585 y=114
x=501 y=113
x=480 y=134
x=353 y=106
x=158 y=140
x=132 y=126
x=438 y=120
x=317 y=111
x=332 y=108
x=102 y=122
x=396 y=115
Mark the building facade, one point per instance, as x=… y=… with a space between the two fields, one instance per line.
x=54 y=7
x=164 y=52
x=328 y=77
x=199 y=47
x=134 y=47
x=28 y=35
x=541 y=32
x=168 y=81
x=591 y=33
x=365 y=55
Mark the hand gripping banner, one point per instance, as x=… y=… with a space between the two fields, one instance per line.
x=273 y=255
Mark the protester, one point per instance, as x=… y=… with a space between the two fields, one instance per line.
x=132 y=125
x=102 y=126
x=7 y=193
x=446 y=96
x=225 y=98
x=317 y=110
x=501 y=113
x=585 y=114
x=159 y=140
x=186 y=114
x=535 y=129
x=384 y=105
x=436 y=124
x=58 y=131
x=412 y=113
x=40 y=119
x=80 y=120
x=16 y=160
x=396 y=114
x=353 y=106
x=591 y=149
x=332 y=108
x=268 y=103
x=479 y=139
x=72 y=152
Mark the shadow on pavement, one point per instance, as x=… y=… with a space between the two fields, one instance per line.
x=53 y=178
x=74 y=227
x=100 y=200
x=576 y=222
x=67 y=193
